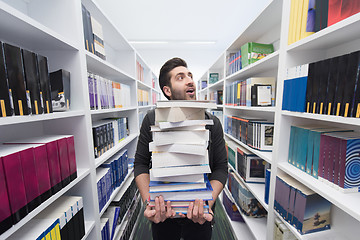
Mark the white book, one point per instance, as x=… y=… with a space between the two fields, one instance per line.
x=167 y=125
x=199 y=148
x=155 y=128
x=181 y=178
x=188 y=137
x=182 y=170
x=167 y=159
x=174 y=186
x=186 y=103
x=178 y=114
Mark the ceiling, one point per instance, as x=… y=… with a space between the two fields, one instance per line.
x=178 y=22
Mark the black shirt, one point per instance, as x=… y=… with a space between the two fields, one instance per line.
x=217 y=151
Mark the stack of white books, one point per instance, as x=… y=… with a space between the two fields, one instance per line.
x=180 y=159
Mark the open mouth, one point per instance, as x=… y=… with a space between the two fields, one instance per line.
x=190 y=91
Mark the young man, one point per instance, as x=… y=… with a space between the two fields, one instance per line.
x=176 y=83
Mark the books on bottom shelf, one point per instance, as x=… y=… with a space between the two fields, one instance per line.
x=63 y=219
x=301 y=207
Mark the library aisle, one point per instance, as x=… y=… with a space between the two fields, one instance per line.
x=74 y=92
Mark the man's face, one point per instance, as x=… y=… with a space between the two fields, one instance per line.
x=182 y=85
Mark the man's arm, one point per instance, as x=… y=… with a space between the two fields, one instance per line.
x=217 y=188
x=142 y=182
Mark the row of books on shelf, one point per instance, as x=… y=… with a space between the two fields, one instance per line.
x=246 y=201
x=327 y=87
x=26 y=87
x=108 y=132
x=301 y=207
x=254 y=91
x=63 y=219
x=31 y=170
x=93 y=34
x=255 y=132
x=310 y=16
x=104 y=93
x=248 y=54
x=249 y=166
x=281 y=232
x=140 y=71
x=143 y=97
x=110 y=175
x=131 y=218
x=216 y=96
x=327 y=153
x=118 y=211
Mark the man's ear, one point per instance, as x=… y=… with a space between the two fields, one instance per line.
x=167 y=91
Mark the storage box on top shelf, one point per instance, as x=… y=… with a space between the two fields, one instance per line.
x=213 y=78
x=252 y=52
x=60 y=90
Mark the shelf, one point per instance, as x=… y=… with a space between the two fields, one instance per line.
x=257 y=226
x=105 y=69
x=41 y=117
x=326 y=234
x=143 y=85
x=240 y=229
x=116 y=191
x=326 y=118
x=89 y=226
x=267 y=156
x=337 y=34
x=348 y=202
x=270 y=62
x=20 y=29
x=100 y=160
x=257 y=189
x=257 y=109
x=111 y=110
x=268 y=20
x=146 y=107
x=82 y=173
x=216 y=85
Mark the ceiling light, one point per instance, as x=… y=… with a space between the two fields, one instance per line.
x=200 y=42
x=148 y=42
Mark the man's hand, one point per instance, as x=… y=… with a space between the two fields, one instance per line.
x=160 y=213
x=196 y=212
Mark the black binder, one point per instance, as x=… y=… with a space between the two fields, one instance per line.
x=6 y=104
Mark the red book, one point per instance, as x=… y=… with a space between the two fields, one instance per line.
x=334 y=15
x=52 y=157
x=15 y=183
x=29 y=174
x=72 y=157
x=5 y=213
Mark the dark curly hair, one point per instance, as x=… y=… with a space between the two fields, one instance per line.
x=164 y=77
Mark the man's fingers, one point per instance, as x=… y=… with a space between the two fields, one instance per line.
x=168 y=209
x=196 y=209
x=162 y=206
x=201 y=208
x=190 y=210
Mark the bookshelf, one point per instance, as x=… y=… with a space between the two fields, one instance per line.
x=271 y=26
x=55 y=30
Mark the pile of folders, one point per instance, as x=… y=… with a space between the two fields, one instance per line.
x=31 y=170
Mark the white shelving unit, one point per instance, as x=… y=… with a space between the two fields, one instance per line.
x=55 y=29
x=271 y=26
